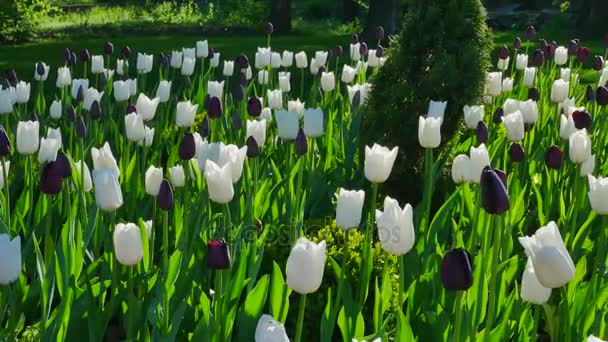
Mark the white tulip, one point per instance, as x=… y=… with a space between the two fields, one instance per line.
x=566 y=127
x=305 y=266
x=144 y=63
x=328 y=81
x=153 y=179
x=287 y=59
x=598 y=194
x=148 y=137
x=177 y=176
x=55 y=110
x=76 y=84
x=88 y=182
x=189 y=53
x=552 y=263
x=355 y=52
x=287 y=124
x=163 y=92
x=219 y=182
x=185 y=113
x=262 y=58
x=275 y=98
x=361 y=67
x=529 y=110
x=514 y=124
x=10 y=254
x=263 y=77
x=379 y=162
x=531 y=289
x=228 y=68
x=202 y=49
x=134 y=127
x=45 y=75
x=97 y=64
x=296 y=106
x=108 y=194
x=565 y=74
x=363 y=89
x=248 y=73
x=188 y=66
x=265 y=115
x=215 y=89
x=104 y=159
x=437 y=109
x=395 y=227
x=215 y=61
x=559 y=91
x=494 y=83
x=472 y=115
x=313 y=122
x=22 y=92
x=64 y=77
x=8 y=167
x=284 y=81
x=269 y=330
x=561 y=55
x=301 y=60
x=207 y=151
x=7 y=100
x=529 y=76
x=603 y=78
x=588 y=166
x=275 y=60
x=122 y=90
x=372 y=59
x=480 y=158
x=177 y=58
x=461 y=169
x=580 y=146
x=48 y=150
x=348 y=74
x=592 y=338
x=429 y=132
x=507 y=85
x=521 y=62
x=233 y=156
x=314 y=67
x=146 y=107
x=503 y=64
x=122 y=67
x=128 y=246
x=349 y=208
x=511 y=106
x=257 y=130
x=91 y=95
x=28 y=137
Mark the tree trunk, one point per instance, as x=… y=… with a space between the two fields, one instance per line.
x=350 y=10
x=280 y=15
x=383 y=13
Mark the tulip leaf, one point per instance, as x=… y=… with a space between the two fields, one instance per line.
x=404 y=330
x=202 y=332
x=145 y=244
x=539 y=203
x=175 y=262
x=279 y=295
x=251 y=310
x=328 y=318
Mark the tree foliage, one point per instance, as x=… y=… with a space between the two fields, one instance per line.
x=19 y=19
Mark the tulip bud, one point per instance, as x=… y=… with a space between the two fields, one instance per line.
x=253 y=150
x=582 y=55
x=211 y=53
x=95 y=110
x=538 y=58
x=218 y=255
x=269 y=28
x=457 y=270
x=85 y=55
x=5 y=143
x=237 y=122
x=67 y=54
x=498 y=115
x=395 y=227
x=301 y=143
x=203 y=128
x=11 y=77
x=215 y=108
x=582 y=119
x=305 y=266
x=517 y=43
x=516 y=152
x=590 y=94
x=503 y=52
x=338 y=51
x=164 y=199
x=73 y=59
x=553 y=157
x=572 y=48
x=238 y=92
x=125 y=52
x=187 y=148
x=51 y=178
x=531 y=289
x=495 y=198
x=269 y=330
x=108 y=49
x=530 y=33
x=533 y=94
x=598 y=194
x=354 y=39
x=64 y=165
x=363 y=49
x=40 y=69
x=70 y=113
x=219 y=182
x=242 y=61
x=10 y=254
x=579 y=146
x=254 y=106
x=550 y=53
x=552 y=263
x=380 y=33
x=601 y=96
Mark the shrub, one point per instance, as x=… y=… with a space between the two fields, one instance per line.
x=19 y=19
x=442 y=53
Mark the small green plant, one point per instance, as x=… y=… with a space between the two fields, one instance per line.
x=20 y=19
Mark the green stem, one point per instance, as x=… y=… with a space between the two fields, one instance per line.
x=401 y=280
x=496 y=244
x=300 y=318
x=428 y=187
x=603 y=246
x=7 y=194
x=536 y=318
x=227 y=223
x=372 y=215
x=566 y=316
x=459 y=308
x=166 y=239
x=299 y=213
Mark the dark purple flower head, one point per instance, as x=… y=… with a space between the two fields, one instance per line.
x=363 y=49
x=598 y=63
x=164 y=61
x=582 y=119
x=533 y=94
x=215 y=108
x=125 y=52
x=582 y=55
x=51 y=178
x=242 y=61
x=80 y=94
x=550 y=51
x=95 y=111
x=320 y=71
x=601 y=95
x=338 y=51
x=203 y=128
x=211 y=53
x=207 y=102
x=553 y=157
x=131 y=108
x=538 y=58
x=590 y=94
x=503 y=52
x=70 y=114
x=238 y=92
x=380 y=33
x=517 y=43
x=187 y=83
x=498 y=114
x=187 y=147
x=85 y=55
x=40 y=70
x=64 y=164
x=253 y=149
x=164 y=199
x=11 y=77
x=218 y=255
x=379 y=51
x=5 y=143
x=482 y=133
x=354 y=39
x=572 y=48
x=517 y=153
x=457 y=270
x=542 y=44
x=67 y=55
x=269 y=28
x=73 y=59
x=108 y=48
x=494 y=194
x=81 y=128
x=356 y=99
x=530 y=33
x=254 y=106
x=103 y=80
x=243 y=79
x=301 y=143
x=237 y=122
x=33 y=116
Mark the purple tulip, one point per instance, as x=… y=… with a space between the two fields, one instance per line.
x=482 y=132
x=164 y=199
x=582 y=119
x=517 y=153
x=380 y=33
x=254 y=107
x=356 y=99
x=40 y=69
x=81 y=128
x=203 y=128
x=95 y=111
x=503 y=52
x=238 y=92
x=517 y=43
x=498 y=114
x=215 y=108
x=530 y=33
x=187 y=148
x=550 y=51
x=103 y=80
x=108 y=49
x=301 y=143
x=80 y=94
x=582 y=55
x=51 y=178
x=269 y=28
x=572 y=48
x=242 y=61
x=457 y=270
x=553 y=157
x=67 y=55
x=538 y=58
x=542 y=44
x=598 y=63
x=64 y=164
x=379 y=51
x=494 y=194
x=253 y=149
x=125 y=52
x=601 y=95
x=131 y=108
x=73 y=59
x=590 y=94
x=85 y=55
x=70 y=114
x=533 y=94
x=211 y=53
x=5 y=143
x=218 y=255
x=237 y=122
x=11 y=77
x=354 y=39
x=363 y=49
